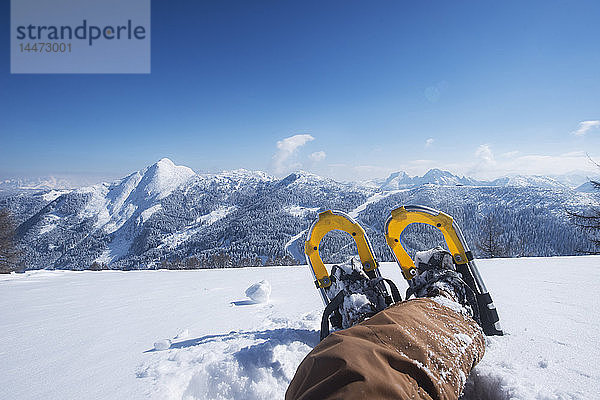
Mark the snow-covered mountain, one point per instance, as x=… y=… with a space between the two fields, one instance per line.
x=529 y=180
x=168 y=215
x=588 y=187
x=401 y=180
x=575 y=178
x=12 y=184
x=48 y=183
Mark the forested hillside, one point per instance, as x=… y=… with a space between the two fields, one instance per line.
x=166 y=216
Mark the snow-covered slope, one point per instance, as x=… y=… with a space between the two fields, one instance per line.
x=76 y=335
x=169 y=212
x=238 y=179
x=113 y=205
x=588 y=187
x=528 y=180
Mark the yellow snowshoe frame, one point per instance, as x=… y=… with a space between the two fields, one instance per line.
x=465 y=264
x=336 y=220
x=402 y=217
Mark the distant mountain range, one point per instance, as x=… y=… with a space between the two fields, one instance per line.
x=46 y=183
x=167 y=214
x=396 y=180
x=401 y=180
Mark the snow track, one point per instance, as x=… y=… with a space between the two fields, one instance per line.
x=373 y=199
x=295 y=245
x=92 y=334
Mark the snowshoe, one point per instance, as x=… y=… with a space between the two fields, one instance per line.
x=355 y=290
x=479 y=299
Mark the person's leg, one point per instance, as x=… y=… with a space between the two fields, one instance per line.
x=417 y=349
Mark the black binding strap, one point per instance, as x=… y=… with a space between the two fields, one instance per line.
x=339 y=299
x=393 y=288
x=331 y=307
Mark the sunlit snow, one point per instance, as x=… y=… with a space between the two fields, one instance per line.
x=97 y=334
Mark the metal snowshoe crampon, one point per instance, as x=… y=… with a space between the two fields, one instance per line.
x=355 y=290
x=481 y=302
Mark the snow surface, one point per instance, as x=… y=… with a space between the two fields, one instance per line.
x=176 y=239
x=53 y=194
x=50 y=223
x=373 y=199
x=216 y=215
x=299 y=211
x=76 y=335
x=147 y=213
x=162 y=344
x=531 y=180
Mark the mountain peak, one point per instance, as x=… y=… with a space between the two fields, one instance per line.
x=398 y=174
x=162 y=177
x=165 y=163
x=435 y=176
x=437 y=172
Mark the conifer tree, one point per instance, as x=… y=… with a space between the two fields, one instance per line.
x=589 y=220
x=9 y=254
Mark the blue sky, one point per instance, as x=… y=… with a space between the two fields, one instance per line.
x=347 y=89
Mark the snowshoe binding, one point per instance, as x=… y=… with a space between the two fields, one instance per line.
x=437 y=276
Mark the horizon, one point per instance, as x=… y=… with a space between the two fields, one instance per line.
x=481 y=90
x=66 y=181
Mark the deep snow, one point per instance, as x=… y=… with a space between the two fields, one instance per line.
x=68 y=335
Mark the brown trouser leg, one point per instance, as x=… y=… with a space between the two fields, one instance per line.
x=417 y=349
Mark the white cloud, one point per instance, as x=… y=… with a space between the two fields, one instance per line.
x=429 y=142
x=485 y=165
x=485 y=155
x=510 y=154
x=286 y=149
x=317 y=156
x=533 y=164
x=548 y=164
x=585 y=126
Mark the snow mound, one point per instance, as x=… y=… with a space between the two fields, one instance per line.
x=259 y=292
x=163 y=344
